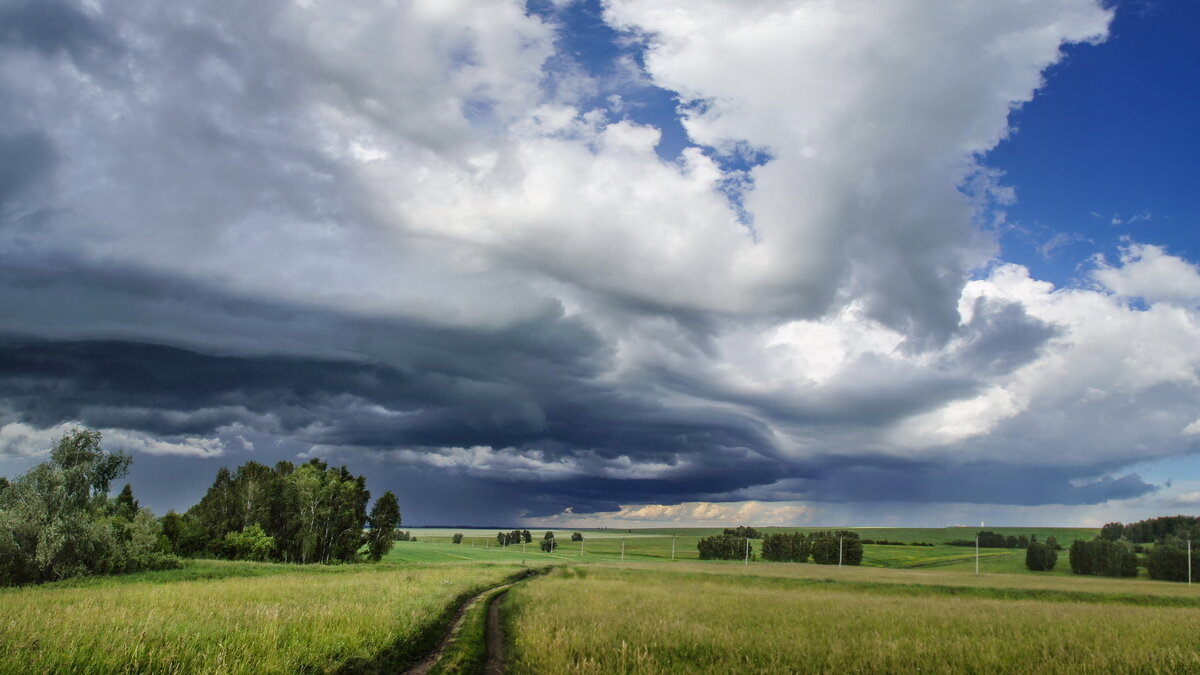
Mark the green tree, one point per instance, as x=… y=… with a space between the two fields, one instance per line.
x=1040 y=557
x=457 y=538
x=549 y=543
x=576 y=536
x=1168 y=561
x=125 y=506
x=55 y=520
x=526 y=536
x=723 y=547
x=1112 y=531
x=385 y=518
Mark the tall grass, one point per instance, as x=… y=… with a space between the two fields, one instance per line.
x=656 y=620
x=309 y=620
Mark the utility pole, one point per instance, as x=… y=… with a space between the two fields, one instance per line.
x=839 y=551
x=747 y=550
x=672 y=548
x=976 y=554
x=622 y=549
x=1189 y=561
x=581 y=546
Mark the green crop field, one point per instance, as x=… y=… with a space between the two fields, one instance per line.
x=615 y=602
x=647 y=545
x=796 y=618
x=239 y=618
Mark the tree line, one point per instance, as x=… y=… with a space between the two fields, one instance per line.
x=1153 y=529
x=57 y=521
x=825 y=548
x=989 y=539
x=311 y=513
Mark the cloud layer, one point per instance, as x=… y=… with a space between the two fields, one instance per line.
x=424 y=239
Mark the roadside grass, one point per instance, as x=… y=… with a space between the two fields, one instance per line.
x=257 y=619
x=656 y=618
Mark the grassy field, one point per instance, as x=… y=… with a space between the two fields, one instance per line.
x=235 y=617
x=614 y=603
x=787 y=618
x=648 y=545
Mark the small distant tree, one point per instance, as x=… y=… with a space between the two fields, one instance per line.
x=549 y=535
x=457 y=538
x=384 y=518
x=576 y=536
x=526 y=537
x=1112 y=531
x=723 y=547
x=1103 y=557
x=744 y=531
x=1168 y=561
x=827 y=546
x=794 y=547
x=549 y=543
x=1040 y=557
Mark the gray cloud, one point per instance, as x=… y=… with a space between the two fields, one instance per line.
x=399 y=238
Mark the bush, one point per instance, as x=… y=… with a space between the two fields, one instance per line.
x=252 y=543
x=743 y=531
x=1040 y=557
x=457 y=538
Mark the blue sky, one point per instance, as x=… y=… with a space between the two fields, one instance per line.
x=624 y=262
x=1110 y=147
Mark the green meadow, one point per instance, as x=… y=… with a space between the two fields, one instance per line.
x=236 y=618
x=774 y=618
x=660 y=545
x=906 y=609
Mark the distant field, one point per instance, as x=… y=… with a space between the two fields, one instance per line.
x=786 y=618
x=234 y=617
x=656 y=545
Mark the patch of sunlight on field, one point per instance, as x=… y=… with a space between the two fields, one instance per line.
x=652 y=619
x=313 y=621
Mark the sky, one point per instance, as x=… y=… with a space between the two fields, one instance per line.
x=613 y=263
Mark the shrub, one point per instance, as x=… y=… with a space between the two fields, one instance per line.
x=252 y=543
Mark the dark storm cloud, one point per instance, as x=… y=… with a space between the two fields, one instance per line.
x=50 y=27
x=884 y=479
x=28 y=158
